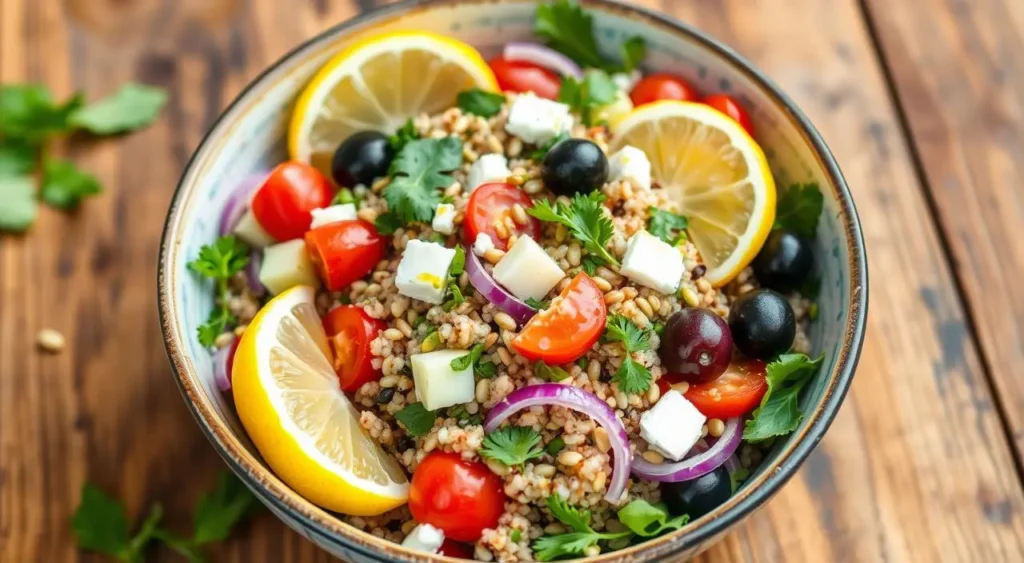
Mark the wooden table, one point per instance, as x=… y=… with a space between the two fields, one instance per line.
x=921 y=100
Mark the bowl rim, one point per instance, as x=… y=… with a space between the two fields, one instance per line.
x=332 y=529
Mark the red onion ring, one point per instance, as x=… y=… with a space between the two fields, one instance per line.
x=222 y=360
x=238 y=201
x=489 y=288
x=252 y=273
x=546 y=394
x=544 y=56
x=702 y=463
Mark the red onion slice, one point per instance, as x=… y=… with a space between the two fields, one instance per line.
x=702 y=463
x=238 y=201
x=579 y=400
x=543 y=56
x=222 y=365
x=485 y=284
x=252 y=273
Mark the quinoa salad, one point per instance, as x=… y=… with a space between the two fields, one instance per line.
x=554 y=308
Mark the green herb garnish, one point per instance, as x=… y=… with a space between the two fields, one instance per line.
x=219 y=262
x=632 y=377
x=132 y=107
x=538 y=304
x=541 y=151
x=779 y=413
x=512 y=445
x=585 y=97
x=406 y=133
x=799 y=208
x=568 y=29
x=467 y=361
x=480 y=102
x=549 y=373
x=419 y=170
x=585 y=219
x=667 y=225
x=344 y=196
x=486 y=369
x=555 y=446
x=416 y=419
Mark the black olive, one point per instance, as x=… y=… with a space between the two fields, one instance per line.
x=361 y=159
x=784 y=261
x=574 y=166
x=385 y=395
x=698 y=496
x=762 y=323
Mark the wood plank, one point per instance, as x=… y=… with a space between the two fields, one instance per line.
x=958 y=77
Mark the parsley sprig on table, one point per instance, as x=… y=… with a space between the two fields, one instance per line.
x=585 y=219
x=667 y=226
x=568 y=29
x=219 y=262
x=100 y=523
x=799 y=208
x=30 y=120
x=632 y=377
x=512 y=445
x=779 y=413
x=419 y=171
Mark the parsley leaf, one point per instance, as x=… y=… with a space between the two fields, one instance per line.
x=132 y=107
x=28 y=112
x=420 y=169
x=466 y=361
x=538 y=304
x=387 y=223
x=632 y=377
x=799 y=208
x=486 y=370
x=406 y=133
x=19 y=208
x=576 y=518
x=549 y=373
x=218 y=512
x=219 y=321
x=458 y=264
x=480 y=102
x=568 y=29
x=17 y=157
x=779 y=413
x=512 y=445
x=219 y=261
x=100 y=525
x=634 y=50
x=584 y=97
x=416 y=419
x=541 y=151
x=590 y=264
x=64 y=185
x=585 y=219
x=667 y=225
x=455 y=297
x=649 y=520
x=547 y=548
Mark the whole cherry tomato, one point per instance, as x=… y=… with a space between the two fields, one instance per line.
x=521 y=76
x=491 y=203
x=349 y=333
x=461 y=498
x=656 y=87
x=344 y=252
x=729 y=106
x=568 y=327
x=283 y=203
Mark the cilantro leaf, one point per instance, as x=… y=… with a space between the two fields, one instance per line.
x=406 y=133
x=597 y=89
x=547 y=548
x=632 y=377
x=480 y=102
x=100 y=523
x=585 y=219
x=634 y=50
x=576 y=518
x=512 y=445
x=222 y=259
x=620 y=329
x=132 y=107
x=566 y=28
x=17 y=157
x=416 y=419
x=486 y=370
x=541 y=151
x=649 y=520
x=799 y=208
x=458 y=264
x=218 y=512
x=64 y=185
x=219 y=321
x=666 y=225
x=387 y=223
x=466 y=361
x=28 y=112
x=420 y=169
x=19 y=208
x=549 y=373
x=538 y=304
x=779 y=413
x=590 y=264
x=455 y=297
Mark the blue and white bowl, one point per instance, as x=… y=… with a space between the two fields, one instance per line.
x=250 y=137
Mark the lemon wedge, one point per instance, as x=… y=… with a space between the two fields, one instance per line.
x=715 y=171
x=377 y=84
x=292 y=406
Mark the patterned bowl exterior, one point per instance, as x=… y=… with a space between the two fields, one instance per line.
x=249 y=139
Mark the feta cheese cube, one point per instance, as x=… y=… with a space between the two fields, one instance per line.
x=652 y=262
x=672 y=426
x=437 y=384
x=444 y=219
x=251 y=233
x=286 y=265
x=423 y=271
x=482 y=244
x=424 y=537
x=537 y=120
x=333 y=214
x=491 y=167
x=527 y=271
x=630 y=163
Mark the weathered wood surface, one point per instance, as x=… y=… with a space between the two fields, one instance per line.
x=917 y=466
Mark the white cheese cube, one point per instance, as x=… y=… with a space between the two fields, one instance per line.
x=482 y=244
x=652 y=262
x=444 y=219
x=625 y=81
x=425 y=538
x=423 y=271
x=488 y=168
x=437 y=384
x=251 y=233
x=333 y=214
x=537 y=120
x=527 y=271
x=286 y=265
x=672 y=426
x=630 y=164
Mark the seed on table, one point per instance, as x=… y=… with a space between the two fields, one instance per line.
x=716 y=427
x=570 y=458
x=385 y=395
x=393 y=334
x=654 y=457
x=493 y=255
x=51 y=340
x=505 y=321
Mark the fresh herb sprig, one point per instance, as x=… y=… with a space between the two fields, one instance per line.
x=467 y=360
x=416 y=419
x=549 y=372
x=667 y=226
x=419 y=171
x=219 y=262
x=480 y=102
x=542 y=151
x=799 y=208
x=585 y=219
x=585 y=97
x=405 y=134
x=779 y=413
x=632 y=377
x=512 y=445
x=568 y=29
x=458 y=265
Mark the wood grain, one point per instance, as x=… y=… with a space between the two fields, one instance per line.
x=915 y=468
x=967 y=122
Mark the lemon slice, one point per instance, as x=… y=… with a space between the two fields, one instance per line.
x=715 y=171
x=292 y=406
x=378 y=84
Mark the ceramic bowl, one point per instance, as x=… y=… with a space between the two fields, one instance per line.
x=249 y=137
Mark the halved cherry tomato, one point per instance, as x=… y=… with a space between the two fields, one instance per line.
x=461 y=498
x=491 y=203
x=283 y=203
x=455 y=549
x=521 y=76
x=349 y=333
x=568 y=327
x=736 y=392
x=655 y=87
x=729 y=106
x=344 y=252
